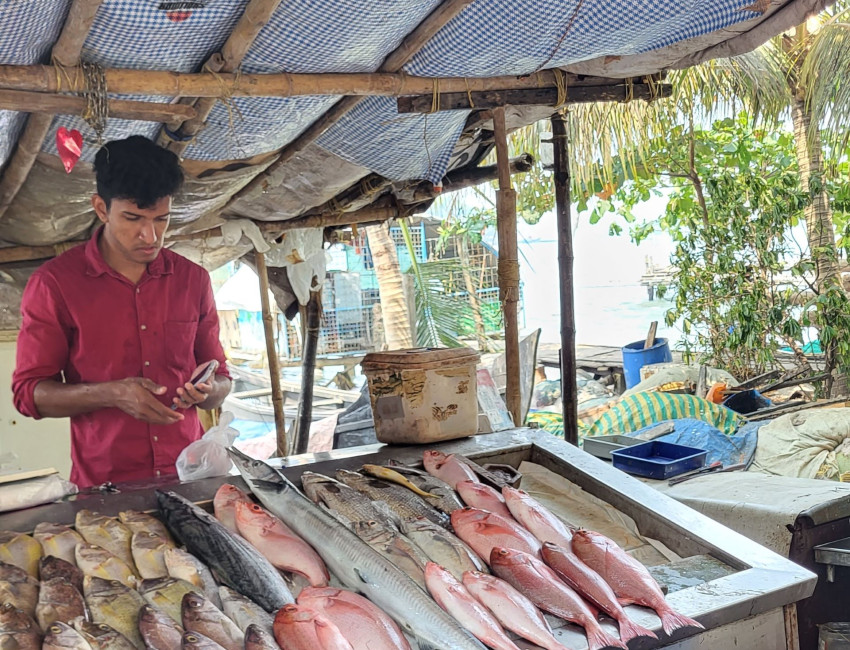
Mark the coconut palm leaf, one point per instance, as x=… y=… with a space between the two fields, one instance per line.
x=436 y=313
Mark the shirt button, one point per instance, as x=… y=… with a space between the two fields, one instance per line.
x=138 y=290
x=144 y=327
x=147 y=363
x=157 y=472
x=156 y=438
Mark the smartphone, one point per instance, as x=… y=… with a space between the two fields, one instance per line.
x=202 y=374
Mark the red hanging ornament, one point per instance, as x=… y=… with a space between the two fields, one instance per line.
x=69 y=144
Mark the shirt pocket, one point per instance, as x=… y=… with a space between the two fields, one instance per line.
x=180 y=345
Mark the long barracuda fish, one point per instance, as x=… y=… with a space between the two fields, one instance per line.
x=354 y=562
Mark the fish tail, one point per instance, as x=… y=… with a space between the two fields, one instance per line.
x=671 y=621
x=597 y=639
x=630 y=630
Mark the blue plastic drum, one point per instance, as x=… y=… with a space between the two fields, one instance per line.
x=635 y=358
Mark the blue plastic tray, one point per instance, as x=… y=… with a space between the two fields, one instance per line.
x=658 y=460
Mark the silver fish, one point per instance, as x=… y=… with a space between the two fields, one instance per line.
x=444 y=548
x=235 y=562
x=446 y=499
x=341 y=498
x=394 y=546
x=141 y=522
x=354 y=562
x=167 y=595
x=17 y=629
x=244 y=612
x=407 y=505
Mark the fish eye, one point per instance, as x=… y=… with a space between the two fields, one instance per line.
x=54 y=629
x=191 y=638
x=104 y=627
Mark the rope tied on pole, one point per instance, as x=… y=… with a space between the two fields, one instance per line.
x=96 y=112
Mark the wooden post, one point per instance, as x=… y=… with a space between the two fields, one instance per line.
x=569 y=390
x=66 y=51
x=271 y=351
x=508 y=264
x=311 y=317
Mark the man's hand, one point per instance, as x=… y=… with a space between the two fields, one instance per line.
x=135 y=396
x=190 y=394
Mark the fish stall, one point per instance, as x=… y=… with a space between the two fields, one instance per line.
x=489 y=538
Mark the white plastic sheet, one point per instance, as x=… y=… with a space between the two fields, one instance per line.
x=208 y=457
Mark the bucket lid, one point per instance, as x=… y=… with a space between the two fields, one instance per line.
x=418 y=358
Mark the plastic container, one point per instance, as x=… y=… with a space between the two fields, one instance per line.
x=658 y=460
x=747 y=401
x=635 y=358
x=602 y=446
x=423 y=395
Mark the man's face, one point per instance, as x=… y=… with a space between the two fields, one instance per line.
x=132 y=233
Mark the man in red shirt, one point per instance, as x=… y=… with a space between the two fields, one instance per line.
x=113 y=329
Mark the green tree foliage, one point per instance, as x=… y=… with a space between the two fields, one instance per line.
x=733 y=196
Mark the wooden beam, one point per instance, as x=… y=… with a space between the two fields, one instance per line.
x=569 y=388
x=257 y=13
x=508 y=265
x=46 y=79
x=66 y=51
x=548 y=96
x=31 y=102
x=271 y=352
x=393 y=63
x=469 y=177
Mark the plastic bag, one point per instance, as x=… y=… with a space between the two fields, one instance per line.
x=302 y=254
x=34 y=492
x=208 y=457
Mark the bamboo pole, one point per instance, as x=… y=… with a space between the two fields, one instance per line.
x=508 y=265
x=311 y=321
x=271 y=352
x=257 y=13
x=32 y=102
x=569 y=389
x=394 y=62
x=66 y=51
x=44 y=78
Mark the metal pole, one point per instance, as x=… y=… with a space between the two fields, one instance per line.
x=271 y=352
x=508 y=264
x=569 y=390
x=311 y=315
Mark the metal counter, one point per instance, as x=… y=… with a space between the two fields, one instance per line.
x=744 y=605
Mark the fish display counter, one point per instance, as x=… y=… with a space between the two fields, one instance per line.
x=564 y=532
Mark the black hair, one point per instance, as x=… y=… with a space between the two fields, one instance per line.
x=136 y=169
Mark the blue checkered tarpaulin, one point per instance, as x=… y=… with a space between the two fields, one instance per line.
x=489 y=37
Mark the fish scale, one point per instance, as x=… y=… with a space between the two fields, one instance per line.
x=354 y=562
x=235 y=562
x=407 y=505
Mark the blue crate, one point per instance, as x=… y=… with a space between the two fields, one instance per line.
x=658 y=460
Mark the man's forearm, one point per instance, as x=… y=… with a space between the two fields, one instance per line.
x=220 y=390
x=53 y=399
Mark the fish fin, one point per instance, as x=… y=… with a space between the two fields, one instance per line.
x=271 y=486
x=630 y=630
x=671 y=621
x=597 y=639
x=625 y=602
x=362 y=577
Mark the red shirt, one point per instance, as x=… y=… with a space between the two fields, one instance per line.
x=83 y=320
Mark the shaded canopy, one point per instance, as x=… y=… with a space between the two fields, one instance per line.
x=372 y=151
